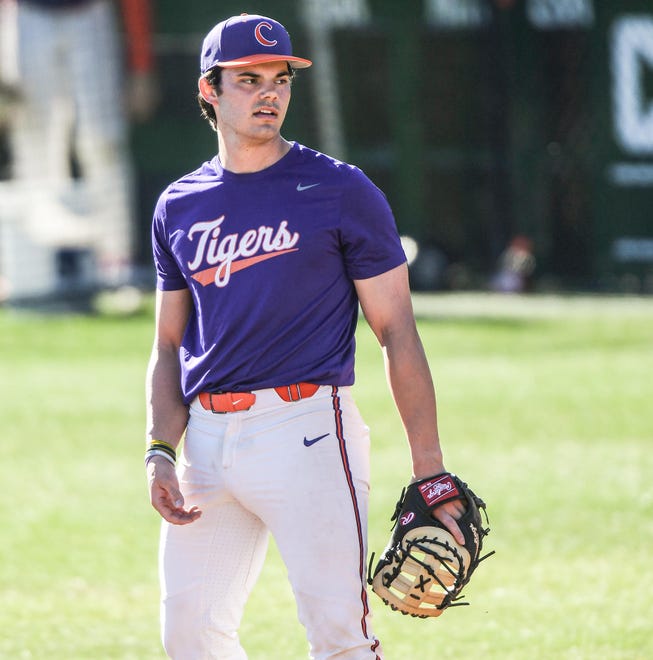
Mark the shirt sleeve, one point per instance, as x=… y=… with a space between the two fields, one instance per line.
x=369 y=233
x=168 y=274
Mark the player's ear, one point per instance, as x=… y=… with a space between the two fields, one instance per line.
x=206 y=90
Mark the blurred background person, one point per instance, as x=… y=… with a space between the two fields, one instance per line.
x=76 y=85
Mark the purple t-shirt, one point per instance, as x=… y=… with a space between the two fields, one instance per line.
x=270 y=258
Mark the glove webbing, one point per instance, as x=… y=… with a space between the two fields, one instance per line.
x=403 y=556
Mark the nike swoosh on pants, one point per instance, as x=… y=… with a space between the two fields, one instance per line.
x=308 y=443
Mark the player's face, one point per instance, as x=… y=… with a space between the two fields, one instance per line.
x=254 y=101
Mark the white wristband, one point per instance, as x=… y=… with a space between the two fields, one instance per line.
x=151 y=453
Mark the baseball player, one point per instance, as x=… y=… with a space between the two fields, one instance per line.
x=263 y=255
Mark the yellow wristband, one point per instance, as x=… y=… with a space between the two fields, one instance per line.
x=160 y=443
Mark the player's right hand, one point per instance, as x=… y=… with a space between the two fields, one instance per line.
x=165 y=495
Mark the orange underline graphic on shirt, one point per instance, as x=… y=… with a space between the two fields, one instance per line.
x=207 y=276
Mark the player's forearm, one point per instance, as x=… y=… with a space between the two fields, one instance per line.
x=412 y=388
x=167 y=415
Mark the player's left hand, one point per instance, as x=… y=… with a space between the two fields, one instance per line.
x=448 y=513
x=165 y=495
x=423 y=568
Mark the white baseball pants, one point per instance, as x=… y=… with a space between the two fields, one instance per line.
x=298 y=470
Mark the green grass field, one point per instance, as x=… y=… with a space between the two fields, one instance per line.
x=546 y=409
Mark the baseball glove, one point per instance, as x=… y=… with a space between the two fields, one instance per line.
x=423 y=569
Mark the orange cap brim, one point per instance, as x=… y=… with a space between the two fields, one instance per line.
x=296 y=62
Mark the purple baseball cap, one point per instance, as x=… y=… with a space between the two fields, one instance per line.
x=248 y=39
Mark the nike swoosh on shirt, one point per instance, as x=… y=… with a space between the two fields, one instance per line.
x=301 y=188
x=308 y=443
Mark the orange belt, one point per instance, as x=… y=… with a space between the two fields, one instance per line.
x=226 y=402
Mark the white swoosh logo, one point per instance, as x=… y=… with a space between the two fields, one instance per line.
x=300 y=188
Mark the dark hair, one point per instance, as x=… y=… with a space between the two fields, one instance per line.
x=214 y=78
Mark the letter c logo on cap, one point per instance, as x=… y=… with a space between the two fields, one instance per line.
x=259 y=36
